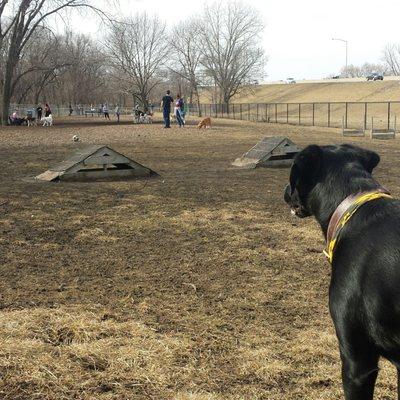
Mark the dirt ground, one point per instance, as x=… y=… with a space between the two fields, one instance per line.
x=197 y=285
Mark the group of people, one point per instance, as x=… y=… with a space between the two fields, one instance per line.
x=16 y=119
x=103 y=110
x=166 y=106
x=179 y=109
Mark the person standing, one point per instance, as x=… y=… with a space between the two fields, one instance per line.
x=39 y=112
x=71 y=110
x=117 y=112
x=166 y=107
x=105 y=112
x=47 y=110
x=179 y=110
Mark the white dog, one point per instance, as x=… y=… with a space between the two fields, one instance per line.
x=146 y=119
x=47 y=121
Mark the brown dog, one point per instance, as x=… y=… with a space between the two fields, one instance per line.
x=206 y=123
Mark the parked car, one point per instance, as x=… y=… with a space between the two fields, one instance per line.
x=336 y=77
x=375 y=77
x=290 y=80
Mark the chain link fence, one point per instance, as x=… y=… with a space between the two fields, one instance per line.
x=64 y=110
x=357 y=115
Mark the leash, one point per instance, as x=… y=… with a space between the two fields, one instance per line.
x=343 y=214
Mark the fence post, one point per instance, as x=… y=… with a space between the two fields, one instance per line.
x=248 y=111
x=313 y=114
x=233 y=110
x=345 y=115
x=329 y=115
x=266 y=112
x=299 y=113
x=257 y=112
x=388 y=111
x=276 y=113
x=240 y=109
x=365 y=115
x=287 y=113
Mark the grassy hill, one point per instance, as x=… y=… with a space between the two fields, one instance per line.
x=387 y=90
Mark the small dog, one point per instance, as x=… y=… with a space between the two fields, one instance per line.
x=31 y=121
x=206 y=123
x=48 y=121
x=146 y=119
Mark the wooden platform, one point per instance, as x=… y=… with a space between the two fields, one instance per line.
x=353 y=132
x=271 y=151
x=383 y=134
x=96 y=163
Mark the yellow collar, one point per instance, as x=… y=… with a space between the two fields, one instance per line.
x=344 y=212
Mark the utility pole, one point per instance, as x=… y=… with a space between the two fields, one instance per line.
x=346 y=43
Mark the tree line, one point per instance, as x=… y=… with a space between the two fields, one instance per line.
x=135 y=59
x=390 y=64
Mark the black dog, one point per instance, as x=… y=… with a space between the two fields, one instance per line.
x=364 y=294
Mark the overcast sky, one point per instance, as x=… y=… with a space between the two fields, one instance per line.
x=298 y=34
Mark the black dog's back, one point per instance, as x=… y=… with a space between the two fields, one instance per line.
x=372 y=283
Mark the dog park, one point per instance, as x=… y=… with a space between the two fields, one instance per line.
x=158 y=168
x=196 y=284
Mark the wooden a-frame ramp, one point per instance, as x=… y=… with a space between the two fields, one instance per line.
x=96 y=163
x=271 y=151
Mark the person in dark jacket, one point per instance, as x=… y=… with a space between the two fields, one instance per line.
x=39 y=112
x=47 y=110
x=166 y=102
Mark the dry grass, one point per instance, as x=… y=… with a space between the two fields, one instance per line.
x=195 y=286
x=387 y=90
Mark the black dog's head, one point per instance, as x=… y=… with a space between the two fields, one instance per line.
x=315 y=165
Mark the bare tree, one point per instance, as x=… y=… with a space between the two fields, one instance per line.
x=187 y=55
x=391 y=57
x=354 y=71
x=230 y=33
x=351 y=71
x=16 y=31
x=85 y=78
x=137 y=50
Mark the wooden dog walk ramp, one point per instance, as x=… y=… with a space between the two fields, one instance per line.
x=272 y=151
x=96 y=163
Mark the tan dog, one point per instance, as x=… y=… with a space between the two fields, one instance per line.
x=206 y=123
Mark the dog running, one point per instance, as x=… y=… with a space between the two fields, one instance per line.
x=361 y=224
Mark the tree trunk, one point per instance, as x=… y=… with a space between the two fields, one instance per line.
x=196 y=91
x=7 y=91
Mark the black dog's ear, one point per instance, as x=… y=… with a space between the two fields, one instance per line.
x=306 y=165
x=369 y=160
